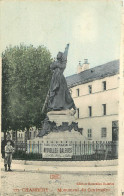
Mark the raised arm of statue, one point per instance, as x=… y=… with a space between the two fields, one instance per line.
x=65 y=54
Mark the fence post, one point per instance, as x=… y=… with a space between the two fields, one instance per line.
x=38 y=147
x=84 y=149
x=106 y=152
x=100 y=150
x=103 y=147
x=80 y=148
x=22 y=145
x=93 y=149
x=75 y=147
x=30 y=146
x=96 y=151
x=114 y=149
x=90 y=150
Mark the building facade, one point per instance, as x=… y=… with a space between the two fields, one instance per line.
x=21 y=136
x=95 y=92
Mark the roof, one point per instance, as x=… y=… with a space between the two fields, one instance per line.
x=96 y=73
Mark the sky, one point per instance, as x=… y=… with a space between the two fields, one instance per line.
x=92 y=27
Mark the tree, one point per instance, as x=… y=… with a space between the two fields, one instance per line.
x=25 y=82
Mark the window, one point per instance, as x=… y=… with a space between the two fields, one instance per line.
x=103 y=132
x=104 y=109
x=78 y=113
x=104 y=85
x=90 y=111
x=89 y=133
x=90 y=89
x=78 y=92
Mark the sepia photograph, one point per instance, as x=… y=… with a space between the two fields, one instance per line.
x=62 y=94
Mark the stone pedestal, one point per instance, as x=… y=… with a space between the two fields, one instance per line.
x=60 y=117
x=59 y=121
x=56 y=144
x=59 y=136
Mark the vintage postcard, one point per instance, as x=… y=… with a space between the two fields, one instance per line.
x=62 y=97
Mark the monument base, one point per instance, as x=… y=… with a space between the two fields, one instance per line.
x=57 y=144
x=58 y=121
x=59 y=135
x=61 y=116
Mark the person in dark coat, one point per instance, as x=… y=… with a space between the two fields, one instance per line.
x=59 y=95
x=4 y=155
x=8 y=155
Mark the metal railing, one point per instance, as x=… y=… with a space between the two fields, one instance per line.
x=81 y=151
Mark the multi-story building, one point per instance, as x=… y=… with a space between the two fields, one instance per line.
x=96 y=95
x=33 y=132
x=21 y=136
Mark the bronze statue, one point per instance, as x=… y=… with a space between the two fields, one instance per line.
x=59 y=95
x=58 y=98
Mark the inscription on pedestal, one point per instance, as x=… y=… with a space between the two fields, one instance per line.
x=57 y=150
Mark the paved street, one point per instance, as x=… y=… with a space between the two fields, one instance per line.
x=34 y=183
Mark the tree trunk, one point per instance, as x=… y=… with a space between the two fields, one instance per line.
x=4 y=135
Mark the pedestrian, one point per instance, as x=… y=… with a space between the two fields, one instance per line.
x=8 y=155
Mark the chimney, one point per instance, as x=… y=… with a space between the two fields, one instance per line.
x=79 y=67
x=86 y=61
x=85 y=65
x=82 y=67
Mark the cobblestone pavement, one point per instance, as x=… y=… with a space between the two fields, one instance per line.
x=40 y=184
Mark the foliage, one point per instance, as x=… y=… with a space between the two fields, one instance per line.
x=25 y=82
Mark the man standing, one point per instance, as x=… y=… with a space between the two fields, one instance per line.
x=8 y=156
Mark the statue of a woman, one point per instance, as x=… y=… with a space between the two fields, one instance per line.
x=59 y=95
